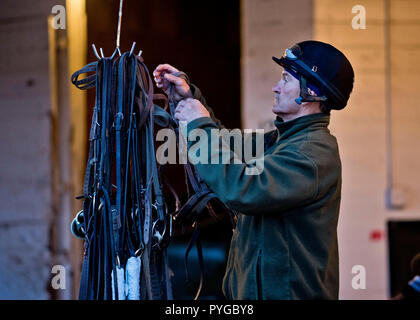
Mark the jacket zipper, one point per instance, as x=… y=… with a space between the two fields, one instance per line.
x=259 y=288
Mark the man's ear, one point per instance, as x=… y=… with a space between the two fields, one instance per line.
x=311 y=92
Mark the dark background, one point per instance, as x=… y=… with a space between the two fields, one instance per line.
x=403 y=245
x=201 y=39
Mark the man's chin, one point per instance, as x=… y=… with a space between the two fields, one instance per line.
x=276 y=110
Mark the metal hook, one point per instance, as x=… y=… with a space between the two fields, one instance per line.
x=134 y=213
x=132 y=48
x=156 y=234
x=117 y=49
x=140 y=52
x=113 y=54
x=95 y=52
x=154 y=205
x=94 y=201
x=140 y=250
x=102 y=52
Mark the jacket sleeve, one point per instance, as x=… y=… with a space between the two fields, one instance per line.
x=288 y=178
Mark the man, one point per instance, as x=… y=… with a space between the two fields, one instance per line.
x=285 y=243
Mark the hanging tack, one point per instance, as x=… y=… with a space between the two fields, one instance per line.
x=140 y=52
x=102 y=52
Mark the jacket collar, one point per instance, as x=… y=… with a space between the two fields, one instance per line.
x=289 y=128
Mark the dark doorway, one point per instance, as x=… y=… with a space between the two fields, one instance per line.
x=403 y=246
x=201 y=39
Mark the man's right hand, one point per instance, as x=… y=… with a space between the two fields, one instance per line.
x=164 y=75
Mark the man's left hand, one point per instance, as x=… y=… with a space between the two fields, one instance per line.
x=189 y=110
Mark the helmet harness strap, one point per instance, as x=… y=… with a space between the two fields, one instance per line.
x=304 y=94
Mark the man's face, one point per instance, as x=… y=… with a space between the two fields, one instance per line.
x=286 y=91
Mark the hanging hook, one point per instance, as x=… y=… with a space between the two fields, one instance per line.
x=102 y=52
x=95 y=52
x=132 y=48
x=115 y=51
x=118 y=30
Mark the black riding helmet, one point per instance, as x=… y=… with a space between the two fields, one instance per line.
x=324 y=66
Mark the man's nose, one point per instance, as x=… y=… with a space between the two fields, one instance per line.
x=276 y=88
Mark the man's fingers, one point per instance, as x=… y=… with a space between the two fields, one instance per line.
x=159 y=82
x=165 y=68
x=169 y=78
x=179 y=106
x=178 y=114
x=173 y=79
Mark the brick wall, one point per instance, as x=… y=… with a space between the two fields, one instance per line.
x=25 y=175
x=36 y=128
x=362 y=130
x=268 y=27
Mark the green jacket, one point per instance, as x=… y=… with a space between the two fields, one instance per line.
x=284 y=245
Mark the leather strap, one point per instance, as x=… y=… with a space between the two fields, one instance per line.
x=122 y=193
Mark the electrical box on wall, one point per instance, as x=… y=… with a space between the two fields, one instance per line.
x=395 y=198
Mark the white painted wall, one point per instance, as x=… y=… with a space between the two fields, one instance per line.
x=361 y=131
x=268 y=27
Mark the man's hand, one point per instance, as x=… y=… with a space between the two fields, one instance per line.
x=189 y=110
x=164 y=75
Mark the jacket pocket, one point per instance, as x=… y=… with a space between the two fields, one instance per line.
x=259 y=284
